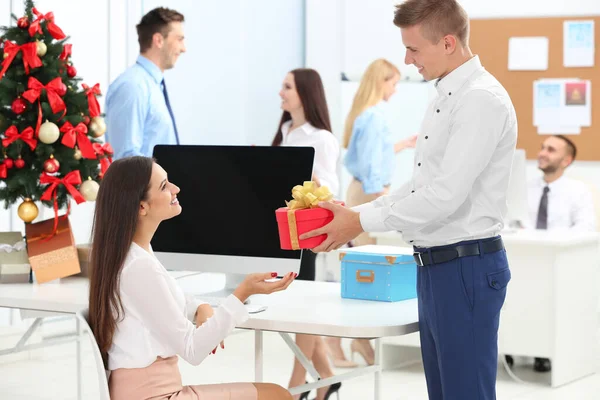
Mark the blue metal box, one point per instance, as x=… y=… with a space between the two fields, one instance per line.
x=381 y=273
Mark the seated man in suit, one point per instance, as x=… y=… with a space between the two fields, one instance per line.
x=558 y=202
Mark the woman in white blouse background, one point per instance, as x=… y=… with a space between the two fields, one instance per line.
x=140 y=317
x=305 y=122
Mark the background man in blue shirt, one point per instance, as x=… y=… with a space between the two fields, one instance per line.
x=138 y=112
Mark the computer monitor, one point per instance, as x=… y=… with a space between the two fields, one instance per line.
x=518 y=208
x=228 y=196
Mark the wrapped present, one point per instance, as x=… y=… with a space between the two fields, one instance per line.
x=302 y=215
x=83 y=253
x=380 y=273
x=14 y=264
x=52 y=256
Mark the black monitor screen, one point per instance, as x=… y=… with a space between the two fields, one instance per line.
x=229 y=195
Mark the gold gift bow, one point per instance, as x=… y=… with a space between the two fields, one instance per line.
x=305 y=196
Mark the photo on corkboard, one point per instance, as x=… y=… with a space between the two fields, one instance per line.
x=575 y=94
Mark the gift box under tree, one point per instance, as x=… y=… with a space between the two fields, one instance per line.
x=14 y=263
x=52 y=250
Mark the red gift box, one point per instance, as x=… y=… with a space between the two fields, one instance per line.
x=293 y=223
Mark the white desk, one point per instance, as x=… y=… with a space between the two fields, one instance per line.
x=552 y=299
x=306 y=307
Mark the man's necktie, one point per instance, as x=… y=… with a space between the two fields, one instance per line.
x=164 y=86
x=542 y=217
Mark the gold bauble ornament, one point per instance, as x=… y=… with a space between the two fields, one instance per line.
x=27 y=211
x=97 y=127
x=41 y=48
x=89 y=189
x=77 y=155
x=5 y=55
x=49 y=132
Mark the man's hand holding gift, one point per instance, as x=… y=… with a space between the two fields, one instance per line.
x=310 y=209
x=344 y=227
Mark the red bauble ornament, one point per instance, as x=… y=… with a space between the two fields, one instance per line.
x=86 y=120
x=19 y=163
x=63 y=90
x=51 y=165
x=23 y=23
x=71 y=71
x=9 y=163
x=18 y=106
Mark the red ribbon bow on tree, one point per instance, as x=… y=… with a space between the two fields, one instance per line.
x=78 y=134
x=51 y=192
x=30 y=57
x=104 y=153
x=3 y=171
x=36 y=26
x=66 y=53
x=93 y=104
x=12 y=134
x=35 y=91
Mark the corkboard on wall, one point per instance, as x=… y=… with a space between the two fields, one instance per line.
x=489 y=40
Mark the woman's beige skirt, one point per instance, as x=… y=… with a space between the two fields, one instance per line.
x=355 y=197
x=162 y=381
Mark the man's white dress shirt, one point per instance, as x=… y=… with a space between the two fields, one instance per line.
x=462 y=165
x=570 y=204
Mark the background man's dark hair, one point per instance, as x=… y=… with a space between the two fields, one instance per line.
x=156 y=21
x=571 y=148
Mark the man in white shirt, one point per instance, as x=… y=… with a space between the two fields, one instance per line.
x=568 y=203
x=558 y=202
x=453 y=208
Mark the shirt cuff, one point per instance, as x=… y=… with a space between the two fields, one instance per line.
x=236 y=308
x=362 y=207
x=372 y=220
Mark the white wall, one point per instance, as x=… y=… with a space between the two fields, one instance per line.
x=368 y=33
x=225 y=88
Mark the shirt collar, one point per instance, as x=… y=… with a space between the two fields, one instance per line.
x=150 y=68
x=452 y=82
x=307 y=128
x=555 y=184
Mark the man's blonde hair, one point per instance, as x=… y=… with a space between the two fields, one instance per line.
x=370 y=92
x=438 y=18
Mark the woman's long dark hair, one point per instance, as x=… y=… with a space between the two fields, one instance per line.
x=124 y=186
x=312 y=96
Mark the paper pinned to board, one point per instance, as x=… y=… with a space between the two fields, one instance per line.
x=578 y=43
x=562 y=103
x=528 y=53
x=559 y=130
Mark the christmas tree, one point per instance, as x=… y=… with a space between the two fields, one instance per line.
x=50 y=127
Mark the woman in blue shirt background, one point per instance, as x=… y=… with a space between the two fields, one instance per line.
x=370 y=159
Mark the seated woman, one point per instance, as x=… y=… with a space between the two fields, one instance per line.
x=140 y=317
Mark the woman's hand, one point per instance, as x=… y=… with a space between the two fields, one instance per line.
x=410 y=142
x=257 y=284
